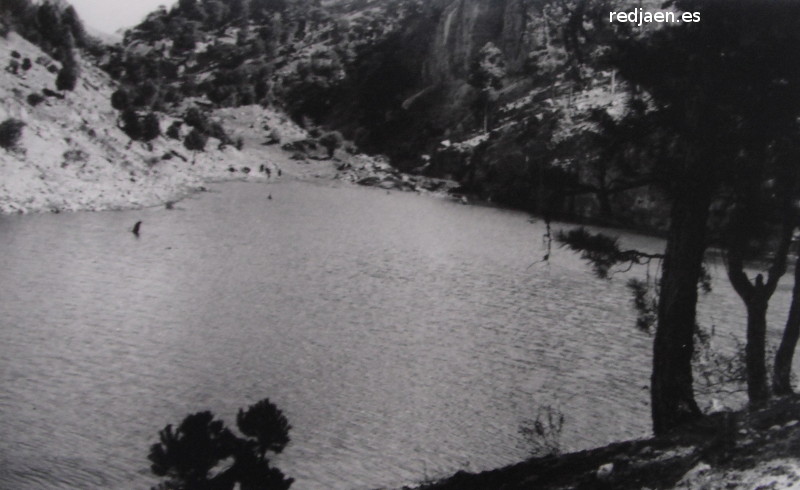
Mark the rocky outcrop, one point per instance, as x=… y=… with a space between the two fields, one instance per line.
x=465 y=26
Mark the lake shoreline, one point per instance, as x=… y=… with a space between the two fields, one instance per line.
x=117 y=195
x=742 y=449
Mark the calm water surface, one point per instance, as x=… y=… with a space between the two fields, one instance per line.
x=404 y=337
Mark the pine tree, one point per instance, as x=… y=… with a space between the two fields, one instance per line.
x=709 y=109
x=150 y=127
x=195 y=141
x=131 y=124
x=73 y=24
x=67 y=77
x=10 y=133
x=186 y=456
x=120 y=100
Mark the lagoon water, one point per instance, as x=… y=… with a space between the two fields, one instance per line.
x=405 y=337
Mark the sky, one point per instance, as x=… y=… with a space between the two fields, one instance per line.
x=110 y=15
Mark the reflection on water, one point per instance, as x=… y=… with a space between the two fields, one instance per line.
x=404 y=337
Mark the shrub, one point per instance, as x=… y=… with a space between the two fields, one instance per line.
x=35 y=99
x=26 y=64
x=146 y=94
x=75 y=155
x=15 y=54
x=13 y=67
x=67 y=77
x=120 y=100
x=151 y=129
x=131 y=124
x=215 y=130
x=174 y=130
x=544 y=432
x=196 y=119
x=10 y=133
x=195 y=140
x=274 y=137
x=331 y=141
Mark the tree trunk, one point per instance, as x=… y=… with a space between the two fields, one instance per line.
x=672 y=394
x=783 y=358
x=756 y=298
x=755 y=357
x=605 y=203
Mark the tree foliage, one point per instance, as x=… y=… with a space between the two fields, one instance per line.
x=131 y=124
x=602 y=251
x=120 y=100
x=716 y=99
x=266 y=424
x=67 y=77
x=52 y=26
x=488 y=68
x=10 y=133
x=195 y=140
x=201 y=453
x=151 y=128
x=174 y=130
x=331 y=141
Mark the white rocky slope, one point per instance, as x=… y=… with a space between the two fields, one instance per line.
x=72 y=156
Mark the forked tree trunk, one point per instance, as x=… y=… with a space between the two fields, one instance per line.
x=672 y=395
x=755 y=351
x=756 y=299
x=781 y=382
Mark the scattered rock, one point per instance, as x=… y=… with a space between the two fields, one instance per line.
x=49 y=93
x=369 y=181
x=696 y=472
x=604 y=472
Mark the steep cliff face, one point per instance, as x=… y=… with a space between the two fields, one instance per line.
x=465 y=26
x=408 y=92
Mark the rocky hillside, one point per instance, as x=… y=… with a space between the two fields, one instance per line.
x=75 y=151
x=72 y=155
x=503 y=96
